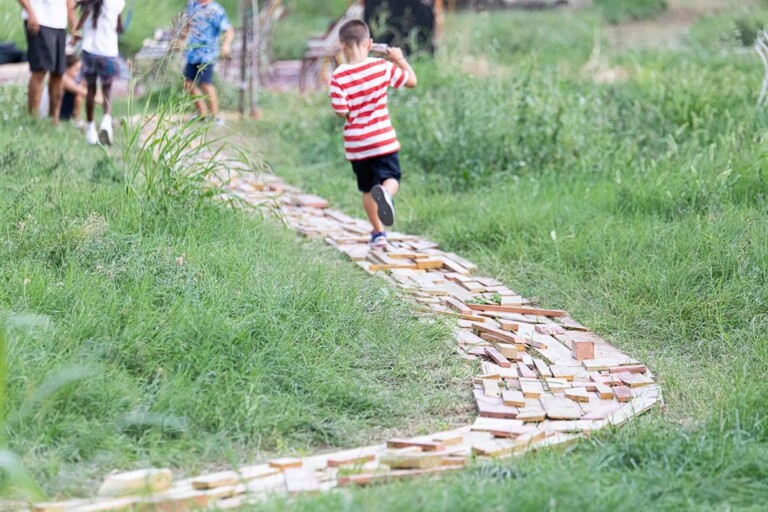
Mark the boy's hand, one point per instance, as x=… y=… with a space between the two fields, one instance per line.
x=395 y=54
x=33 y=26
x=226 y=51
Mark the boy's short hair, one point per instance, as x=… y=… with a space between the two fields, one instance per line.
x=354 y=32
x=71 y=60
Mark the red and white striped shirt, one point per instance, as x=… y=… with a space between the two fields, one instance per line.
x=360 y=92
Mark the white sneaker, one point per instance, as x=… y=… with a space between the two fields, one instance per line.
x=220 y=122
x=378 y=240
x=105 y=131
x=91 y=135
x=384 y=203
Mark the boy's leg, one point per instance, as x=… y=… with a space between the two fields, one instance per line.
x=372 y=211
x=193 y=92
x=211 y=98
x=392 y=186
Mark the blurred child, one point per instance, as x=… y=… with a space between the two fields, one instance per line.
x=359 y=95
x=204 y=23
x=101 y=22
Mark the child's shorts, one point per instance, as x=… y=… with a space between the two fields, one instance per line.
x=376 y=170
x=199 y=73
x=99 y=66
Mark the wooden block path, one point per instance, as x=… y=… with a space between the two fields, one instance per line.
x=555 y=381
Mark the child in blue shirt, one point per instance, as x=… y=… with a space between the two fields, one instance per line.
x=204 y=23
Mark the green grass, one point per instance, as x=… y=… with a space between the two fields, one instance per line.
x=639 y=206
x=253 y=343
x=617 y=11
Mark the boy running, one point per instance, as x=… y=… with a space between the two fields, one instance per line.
x=204 y=22
x=359 y=94
x=101 y=23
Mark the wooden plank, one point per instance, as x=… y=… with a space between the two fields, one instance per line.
x=549 y=329
x=582 y=350
x=533 y=416
x=482 y=424
x=518 y=309
x=424 y=264
x=500 y=410
x=500 y=448
x=531 y=389
x=490 y=387
x=513 y=398
x=635 y=368
x=603 y=391
x=214 y=480
x=388 y=266
x=457 y=306
x=513 y=432
x=634 y=380
x=350 y=460
x=420 y=460
x=542 y=367
x=525 y=441
x=498 y=333
x=497 y=358
x=301 y=481
x=449 y=438
x=133 y=482
x=562 y=372
x=427 y=446
x=508 y=350
x=560 y=408
x=526 y=372
x=602 y=411
x=623 y=393
x=577 y=394
x=364 y=479
x=468 y=265
x=177 y=502
x=285 y=463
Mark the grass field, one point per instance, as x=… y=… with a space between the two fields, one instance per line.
x=631 y=192
x=186 y=334
x=638 y=205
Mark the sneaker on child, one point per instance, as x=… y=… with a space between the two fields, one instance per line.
x=105 y=130
x=91 y=135
x=384 y=203
x=378 y=240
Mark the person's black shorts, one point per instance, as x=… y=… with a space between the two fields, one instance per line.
x=376 y=170
x=199 y=73
x=47 y=50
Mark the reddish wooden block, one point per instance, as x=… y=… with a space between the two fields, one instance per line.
x=488 y=410
x=623 y=393
x=583 y=350
x=497 y=358
x=637 y=368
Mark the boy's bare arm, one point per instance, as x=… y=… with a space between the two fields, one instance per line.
x=397 y=57
x=226 y=45
x=71 y=15
x=32 y=25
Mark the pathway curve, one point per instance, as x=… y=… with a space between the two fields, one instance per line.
x=544 y=379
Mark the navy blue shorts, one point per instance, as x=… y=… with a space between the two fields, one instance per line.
x=99 y=66
x=199 y=73
x=376 y=170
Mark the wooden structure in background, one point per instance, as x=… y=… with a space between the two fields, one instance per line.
x=413 y=25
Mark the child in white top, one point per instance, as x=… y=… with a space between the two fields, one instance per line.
x=101 y=22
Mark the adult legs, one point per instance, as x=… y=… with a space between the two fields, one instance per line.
x=55 y=91
x=34 y=92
